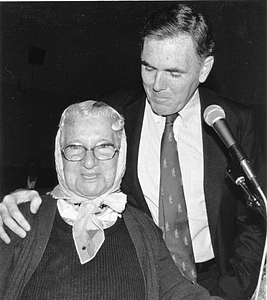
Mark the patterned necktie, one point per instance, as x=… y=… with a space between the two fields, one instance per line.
x=172 y=208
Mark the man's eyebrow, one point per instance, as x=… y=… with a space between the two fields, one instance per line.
x=144 y=63
x=175 y=70
x=171 y=70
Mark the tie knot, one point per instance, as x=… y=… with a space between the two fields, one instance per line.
x=171 y=118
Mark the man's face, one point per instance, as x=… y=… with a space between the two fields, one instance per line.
x=171 y=72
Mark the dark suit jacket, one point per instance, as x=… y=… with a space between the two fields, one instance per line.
x=236 y=234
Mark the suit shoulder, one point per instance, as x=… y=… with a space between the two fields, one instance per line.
x=121 y=99
x=230 y=106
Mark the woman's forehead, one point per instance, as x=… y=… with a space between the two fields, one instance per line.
x=89 y=123
x=89 y=128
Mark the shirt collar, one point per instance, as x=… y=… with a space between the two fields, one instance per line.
x=151 y=115
x=187 y=113
x=191 y=109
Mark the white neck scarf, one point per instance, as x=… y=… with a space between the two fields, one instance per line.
x=90 y=217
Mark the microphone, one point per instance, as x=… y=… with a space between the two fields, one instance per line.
x=214 y=116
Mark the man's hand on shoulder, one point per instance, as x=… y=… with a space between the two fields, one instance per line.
x=12 y=217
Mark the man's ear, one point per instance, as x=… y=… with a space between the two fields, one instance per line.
x=206 y=68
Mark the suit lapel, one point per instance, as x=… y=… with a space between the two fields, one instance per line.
x=134 y=114
x=214 y=166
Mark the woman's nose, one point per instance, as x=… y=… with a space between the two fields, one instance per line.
x=89 y=160
x=159 y=81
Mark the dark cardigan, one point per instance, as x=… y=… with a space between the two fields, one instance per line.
x=19 y=259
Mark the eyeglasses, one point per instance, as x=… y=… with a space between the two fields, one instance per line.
x=78 y=152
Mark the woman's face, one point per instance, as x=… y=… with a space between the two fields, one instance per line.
x=90 y=177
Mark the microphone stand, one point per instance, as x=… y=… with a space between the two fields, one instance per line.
x=253 y=201
x=259 y=204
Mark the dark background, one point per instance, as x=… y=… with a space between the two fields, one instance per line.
x=93 y=47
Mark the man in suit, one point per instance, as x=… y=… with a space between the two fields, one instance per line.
x=176 y=56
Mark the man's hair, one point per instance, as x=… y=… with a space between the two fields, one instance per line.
x=174 y=20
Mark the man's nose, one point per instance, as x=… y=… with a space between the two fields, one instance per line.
x=89 y=160
x=159 y=81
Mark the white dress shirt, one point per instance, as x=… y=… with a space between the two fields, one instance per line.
x=188 y=135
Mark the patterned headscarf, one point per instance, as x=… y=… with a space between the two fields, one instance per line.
x=89 y=218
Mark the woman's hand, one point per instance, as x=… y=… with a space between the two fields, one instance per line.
x=12 y=217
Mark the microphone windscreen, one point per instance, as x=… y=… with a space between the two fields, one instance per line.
x=213 y=113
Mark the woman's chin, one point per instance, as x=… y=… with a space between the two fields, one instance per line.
x=88 y=195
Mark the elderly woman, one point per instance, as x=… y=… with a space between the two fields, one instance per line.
x=84 y=243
